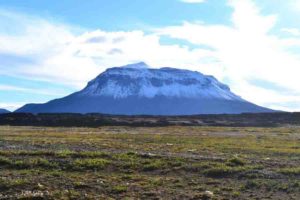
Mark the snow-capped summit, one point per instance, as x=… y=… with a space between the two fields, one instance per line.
x=123 y=82
x=139 y=89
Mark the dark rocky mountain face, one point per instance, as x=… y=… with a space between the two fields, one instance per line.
x=139 y=90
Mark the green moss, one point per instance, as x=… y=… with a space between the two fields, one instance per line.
x=236 y=161
x=154 y=165
x=5 y=184
x=93 y=154
x=222 y=170
x=236 y=194
x=5 y=161
x=34 y=162
x=64 y=153
x=96 y=163
x=119 y=189
x=252 y=184
x=290 y=171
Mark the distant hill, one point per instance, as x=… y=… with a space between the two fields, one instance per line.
x=138 y=89
x=96 y=120
x=4 y=111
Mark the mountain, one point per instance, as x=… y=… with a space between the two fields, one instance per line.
x=137 y=89
x=3 y=111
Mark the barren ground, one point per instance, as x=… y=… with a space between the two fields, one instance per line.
x=174 y=162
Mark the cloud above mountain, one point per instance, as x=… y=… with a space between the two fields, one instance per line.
x=249 y=50
x=49 y=51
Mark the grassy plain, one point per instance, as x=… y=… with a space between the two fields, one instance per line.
x=173 y=162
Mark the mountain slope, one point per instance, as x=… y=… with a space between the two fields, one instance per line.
x=2 y=111
x=137 y=89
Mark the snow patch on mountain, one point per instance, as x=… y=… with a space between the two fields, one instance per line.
x=142 y=81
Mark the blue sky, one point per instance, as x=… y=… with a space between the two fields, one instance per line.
x=122 y=14
x=49 y=49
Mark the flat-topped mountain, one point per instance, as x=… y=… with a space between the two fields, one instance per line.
x=137 y=89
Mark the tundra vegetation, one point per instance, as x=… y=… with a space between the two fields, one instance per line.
x=174 y=162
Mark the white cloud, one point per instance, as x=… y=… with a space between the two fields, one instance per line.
x=11 y=106
x=52 y=52
x=295 y=4
x=192 y=1
x=46 y=46
x=32 y=91
x=292 y=31
x=248 y=51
